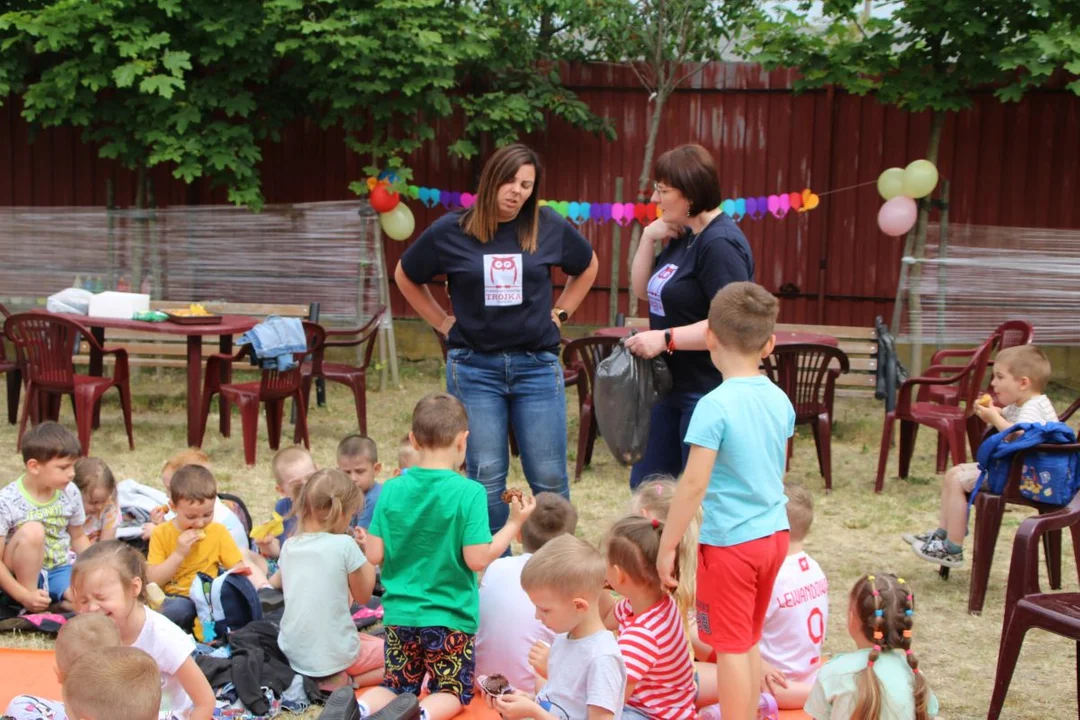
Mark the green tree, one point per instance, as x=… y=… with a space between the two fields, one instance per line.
x=1042 y=53
x=665 y=43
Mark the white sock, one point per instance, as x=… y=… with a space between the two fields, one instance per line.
x=364 y=709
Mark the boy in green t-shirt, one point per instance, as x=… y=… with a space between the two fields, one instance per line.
x=431 y=536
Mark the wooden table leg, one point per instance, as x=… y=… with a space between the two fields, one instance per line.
x=225 y=346
x=194 y=390
x=96 y=368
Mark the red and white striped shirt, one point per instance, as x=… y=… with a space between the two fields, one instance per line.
x=657 y=658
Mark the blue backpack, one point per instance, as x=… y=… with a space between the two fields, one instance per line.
x=223 y=604
x=1047 y=478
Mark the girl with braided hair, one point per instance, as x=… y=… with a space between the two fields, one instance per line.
x=881 y=680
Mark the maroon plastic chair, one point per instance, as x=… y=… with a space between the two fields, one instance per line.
x=989 y=511
x=271 y=390
x=571 y=378
x=352 y=376
x=807 y=374
x=13 y=373
x=45 y=344
x=950 y=420
x=1011 y=333
x=1026 y=606
x=586 y=354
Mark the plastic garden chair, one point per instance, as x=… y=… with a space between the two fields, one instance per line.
x=989 y=511
x=950 y=420
x=45 y=345
x=586 y=354
x=807 y=374
x=13 y=373
x=352 y=376
x=272 y=390
x=1026 y=606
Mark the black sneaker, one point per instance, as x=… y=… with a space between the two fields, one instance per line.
x=271 y=600
x=341 y=705
x=934 y=551
x=403 y=707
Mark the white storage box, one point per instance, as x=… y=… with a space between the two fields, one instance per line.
x=120 y=305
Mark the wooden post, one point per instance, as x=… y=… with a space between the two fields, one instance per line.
x=615 y=287
x=943 y=255
x=898 y=305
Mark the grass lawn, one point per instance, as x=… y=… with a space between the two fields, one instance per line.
x=855 y=531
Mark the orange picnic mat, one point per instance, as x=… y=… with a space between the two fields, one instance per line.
x=32 y=672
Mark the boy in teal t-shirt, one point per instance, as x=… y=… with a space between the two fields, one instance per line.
x=431 y=536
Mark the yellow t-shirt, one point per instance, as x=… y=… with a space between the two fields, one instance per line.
x=216 y=550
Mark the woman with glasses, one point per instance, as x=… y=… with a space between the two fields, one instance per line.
x=701 y=251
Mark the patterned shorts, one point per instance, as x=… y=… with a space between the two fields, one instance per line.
x=412 y=652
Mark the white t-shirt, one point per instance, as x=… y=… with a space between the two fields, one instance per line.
x=508 y=624
x=1038 y=409
x=795 y=623
x=170 y=647
x=584 y=672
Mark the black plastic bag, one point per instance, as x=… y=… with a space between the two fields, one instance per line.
x=625 y=389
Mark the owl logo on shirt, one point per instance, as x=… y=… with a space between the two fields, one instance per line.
x=502 y=280
x=504 y=270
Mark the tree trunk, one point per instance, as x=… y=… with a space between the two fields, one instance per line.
x=643 y=194
x=937 y=122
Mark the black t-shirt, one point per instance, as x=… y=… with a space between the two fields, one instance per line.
x=501 y=295
x=688 y=273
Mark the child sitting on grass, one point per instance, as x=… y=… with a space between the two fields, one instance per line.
x=110 y=579
x=652 y=633
x=319 y=568
x=430 y=535
x=191 y=543
x=222 y=513
x=81 y=635
x=41 y=520
x=738 y=452
x=1020 y=376
x=98 y=489
x=358 y=458
x=881 y=680
x=119 y=682
x=585 y=674
x=795 y=624
x=291 y=466
x=508 y=623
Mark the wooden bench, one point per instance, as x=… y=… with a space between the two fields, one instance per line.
x=148 y=349
x=860 y=344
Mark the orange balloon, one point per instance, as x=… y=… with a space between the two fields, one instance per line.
x=809 y=200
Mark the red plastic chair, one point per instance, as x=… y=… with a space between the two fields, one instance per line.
x=352 y=376
x=807 y=375
x=950 y=420
x=571 y=378
x=13 y=375
x=586 y=354
x=272 y=390
x=45 y=345
x=1026 y=606
x=989 y=511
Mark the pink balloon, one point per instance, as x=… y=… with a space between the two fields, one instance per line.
x=897 y=216
x=773 y=204
x=785 y=204
x=628 y=212
x=467 y=200
x=616 y=212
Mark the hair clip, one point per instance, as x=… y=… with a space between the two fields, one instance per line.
x=875 y=593
x=909 y=613
x=870 y=664
x=878 y=635
x=879 y=613
x=655 y=523
x=900 y=581
x=877 y=648
x=910 y=598
x=907 y=633
x=870 y=578
x=910 y=652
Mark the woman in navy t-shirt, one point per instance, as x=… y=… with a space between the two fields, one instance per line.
x=503 y=335
x=705 y=251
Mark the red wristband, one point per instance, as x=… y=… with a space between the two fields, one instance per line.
x=670 y=340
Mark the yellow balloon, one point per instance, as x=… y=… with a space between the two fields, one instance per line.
x=891 y=183
x=399 y=223
x=920 y=179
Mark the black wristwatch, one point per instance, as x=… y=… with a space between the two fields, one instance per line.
x=561 y=314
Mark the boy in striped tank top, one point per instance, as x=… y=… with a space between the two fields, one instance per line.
x=652 y=638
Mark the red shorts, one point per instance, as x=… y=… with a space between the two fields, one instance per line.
x=734 y=589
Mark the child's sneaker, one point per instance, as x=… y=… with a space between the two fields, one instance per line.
x=921 y=538
x=935 y=551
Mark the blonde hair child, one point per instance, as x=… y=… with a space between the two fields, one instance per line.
x=110 y=578
x=117 y=682
x=98 y=489
x=881 y=680
x=319 y=568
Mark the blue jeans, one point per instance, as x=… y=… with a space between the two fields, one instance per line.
x=666 y=452
x=523 y=389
